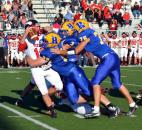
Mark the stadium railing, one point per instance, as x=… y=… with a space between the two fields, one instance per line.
x=47 y=11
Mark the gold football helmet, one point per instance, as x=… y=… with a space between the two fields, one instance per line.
x=68 y=26
x=52 y=40
x=81 y=25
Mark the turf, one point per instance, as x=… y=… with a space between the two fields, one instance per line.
x=12 y=81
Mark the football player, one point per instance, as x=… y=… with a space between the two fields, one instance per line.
x=13 y=44
x=124 y=42
x=109 y=65
x=40 y=73
x=134 y=46
x=69 y=42
x=75 y=82
x=140 y=49
x=114 y=43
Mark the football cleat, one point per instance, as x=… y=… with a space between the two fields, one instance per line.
x=51 y=112
x=19 y=102
x=139 y=96
x=113 y=111
x=131 y=110
x=93 y=114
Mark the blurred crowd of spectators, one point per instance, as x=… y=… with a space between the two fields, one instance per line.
x=117 y=13
x=15 y=13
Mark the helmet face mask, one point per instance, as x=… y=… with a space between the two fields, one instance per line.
x=52 y=40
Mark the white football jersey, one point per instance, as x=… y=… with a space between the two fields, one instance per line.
x=124 y=42
x=140 y=43
x=114 y=43
x=134 y=41
x=13 y=44
x=32 y=50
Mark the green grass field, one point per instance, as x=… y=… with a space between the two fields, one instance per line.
x=31 y=116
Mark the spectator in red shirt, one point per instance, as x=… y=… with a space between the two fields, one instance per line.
x=4 y=17
x=84 y=5
x=106 y=10
x=113 y=26
x=118 y=5
x=107 y=17
x=126 y=18
x=100 y=6
x=77 y=16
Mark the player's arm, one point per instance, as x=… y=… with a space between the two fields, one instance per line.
x=66 y=47
x=62 y=51
x=77 y=50
x=25 y=34
x=81 y=46
x=37 y=62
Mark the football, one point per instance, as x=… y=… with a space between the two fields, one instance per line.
x=82 y=108
x=33 y=34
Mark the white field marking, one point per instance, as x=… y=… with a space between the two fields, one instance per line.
x=127 y=84
x=79 y=116
x=39 y=123
x=132 y=70
x=18 y=78
x=123 y=76
x=11 y=71
x=22 y=117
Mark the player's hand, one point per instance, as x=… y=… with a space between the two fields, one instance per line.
x=56 y=50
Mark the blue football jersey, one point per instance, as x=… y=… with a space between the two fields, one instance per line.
x=73 y=42
x=96 y=44
x=58 y=63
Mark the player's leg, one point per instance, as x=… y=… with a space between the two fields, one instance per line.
x=17 y=58
x=102 y=72
x=80 y=80
x=130 y=56
x=29 y=87
x=122 y=55
x=41 y=84
x=125 y=56
x=12 y=57
x=76 y=101
x=115 y=78
x=54 y=78
x=135 y=56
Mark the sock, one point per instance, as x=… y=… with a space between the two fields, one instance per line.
x=109 y=105
x=132 y=104
x=97 y=108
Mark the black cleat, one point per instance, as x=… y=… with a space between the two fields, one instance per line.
x=132 y=110
x=93 y=114
x=19 y=102
x=113 y=112
x=51 y=112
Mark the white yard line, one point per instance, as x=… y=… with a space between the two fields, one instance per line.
x=22 y=117
x=127 y=84
x=132 y=70
x=39 y=123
